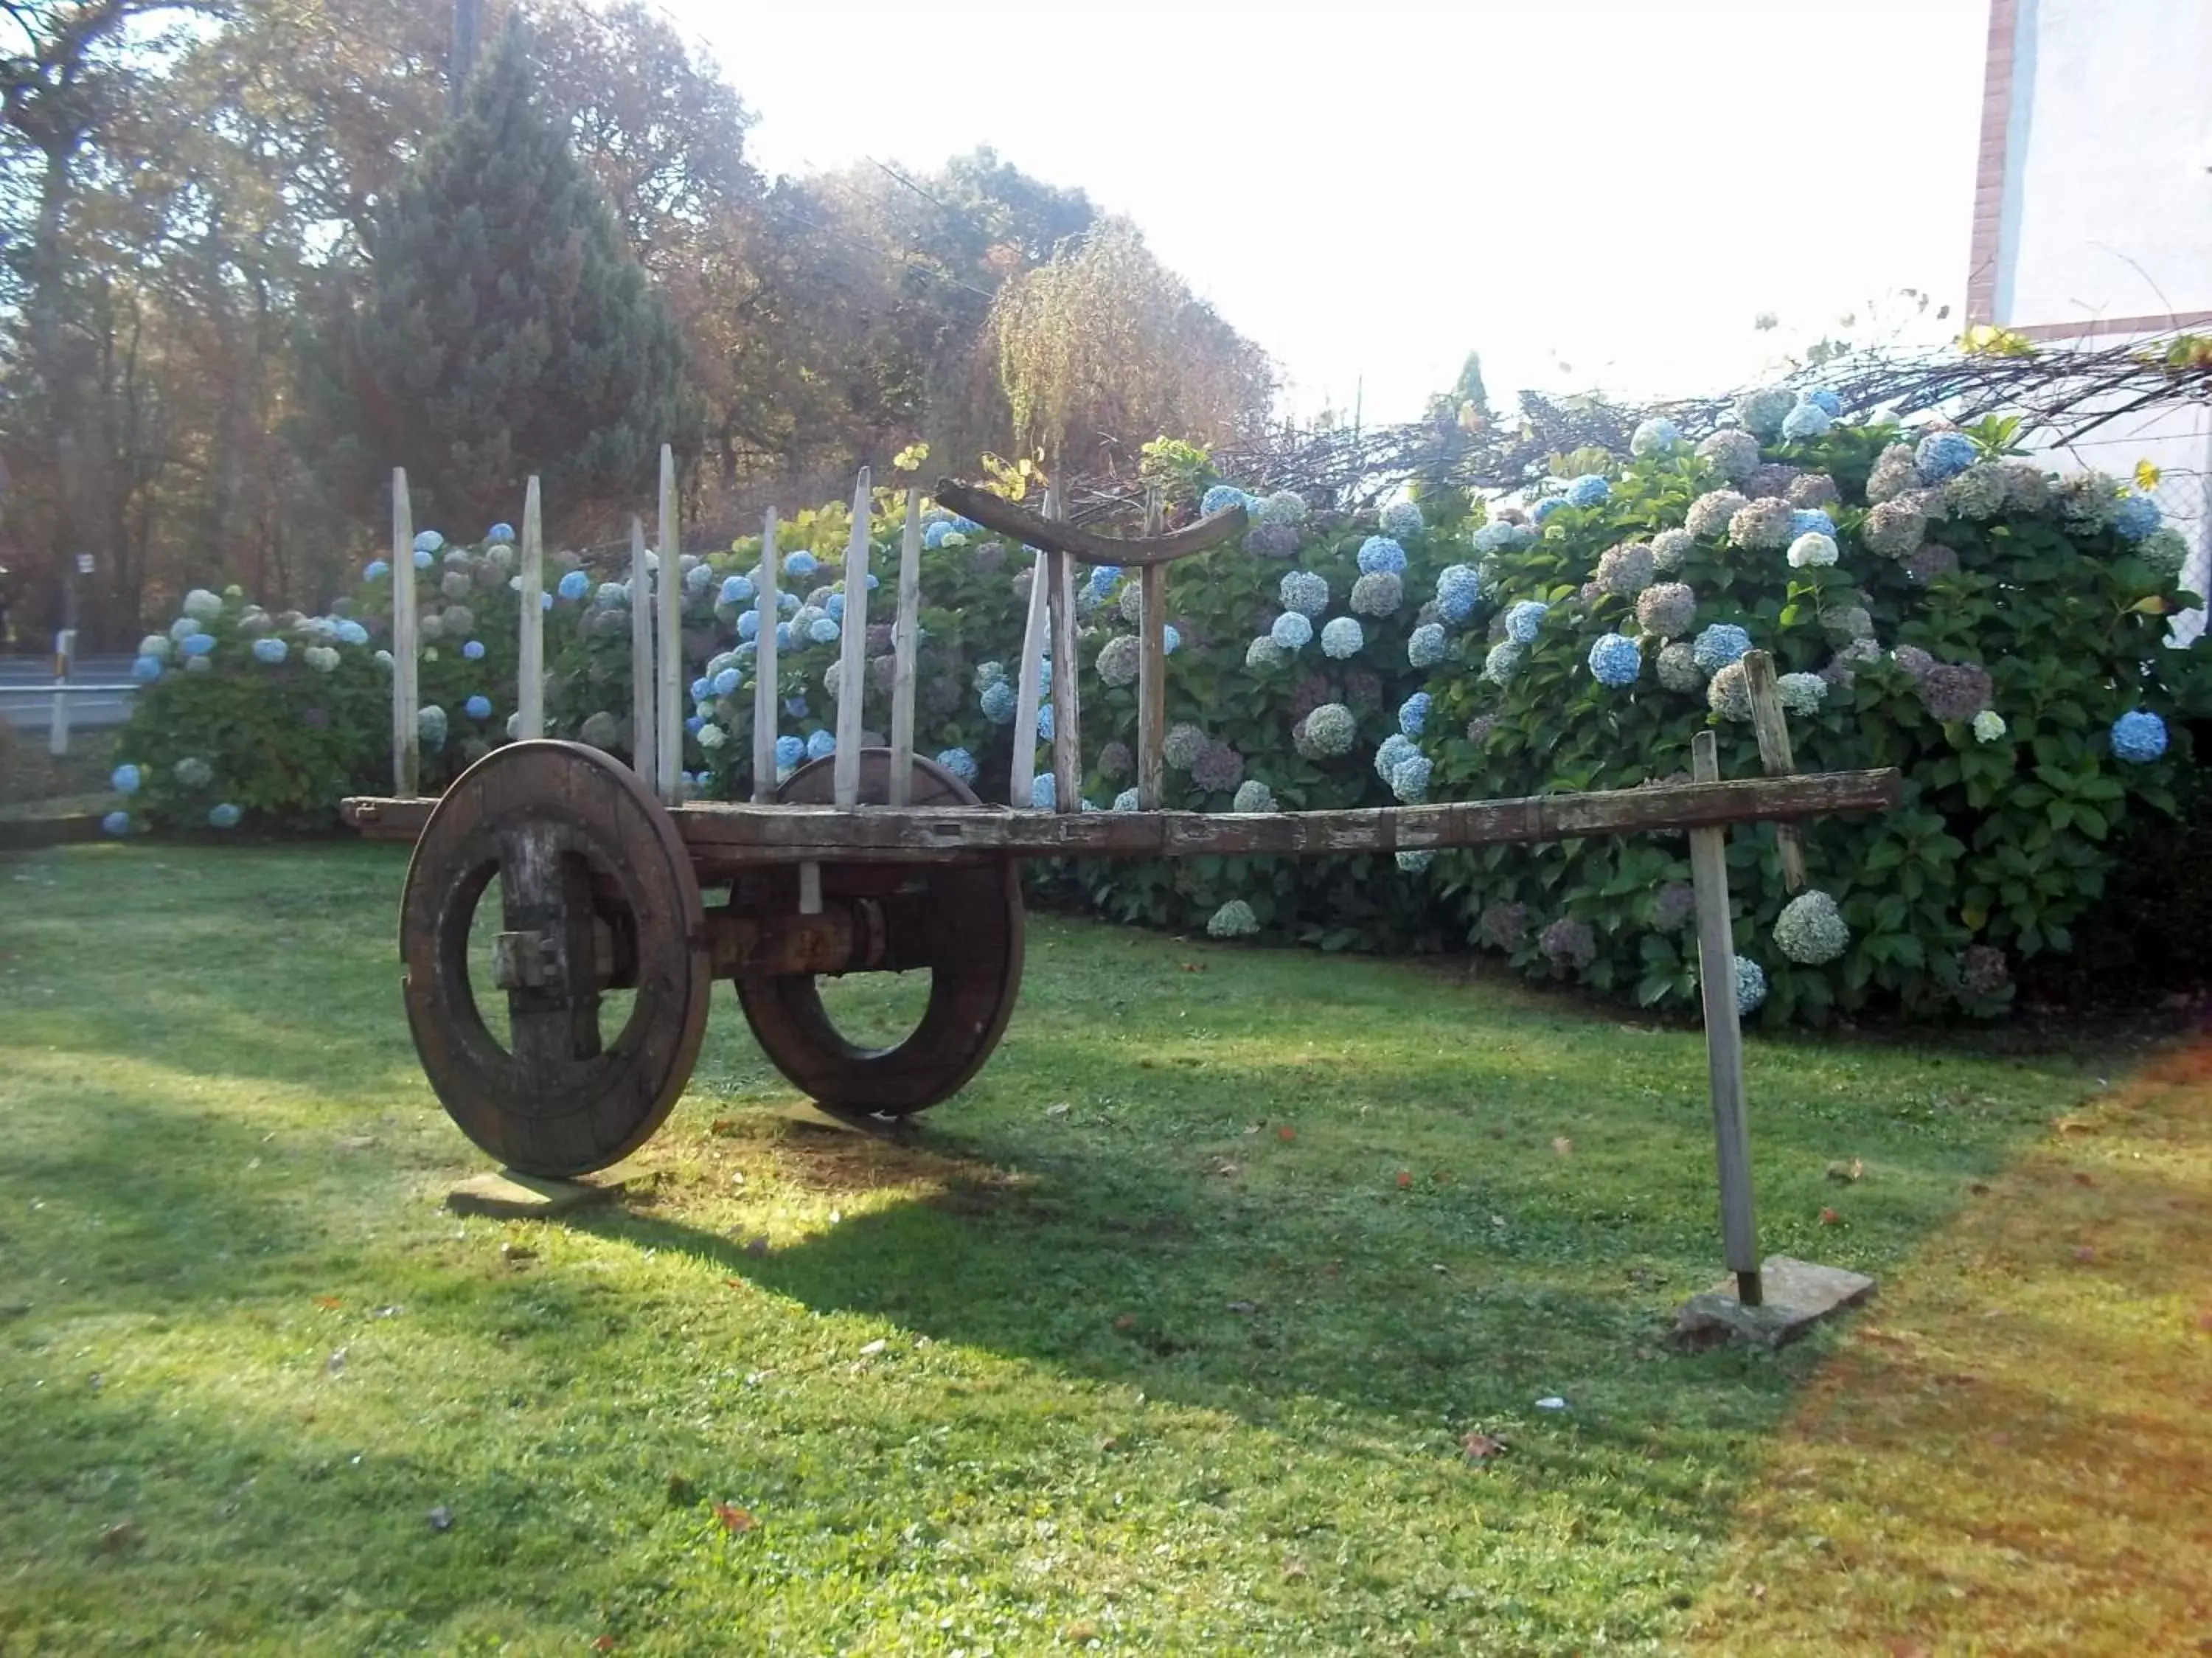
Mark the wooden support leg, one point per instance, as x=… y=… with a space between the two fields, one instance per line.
x=406 y=734
x=670 y=721
x=768 y=695
x=1152 y=674
x=852 y=664
x=644 y=698
x=530 y=648
x=1723 y=1034
x=905 y=633
x=1773 y=730
x=1023 y=773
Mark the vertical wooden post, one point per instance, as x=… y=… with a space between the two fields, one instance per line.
x=644 y=686
x=406 y=733
x=669 y=722
x=904 y=638
x=1023 y=774
x=1066 y=709
x=767 y=698
x=852 y=654
x=1723 y=1034
x=1152 y=673
x=1774 y=757
x=530 y=674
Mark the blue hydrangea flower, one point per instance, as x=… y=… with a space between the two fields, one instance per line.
x=1381 y=554
x=835 y=606
x=1341 y=638
x=125 y=779
x=824 y=630
x=1824 y=400
x=115 y=823
x=1409 y=782
x=473 y=650
x=787 y=602
x=702 y=690
x=1395 y=750
x=1303 y=591
x=1126 y=801
x=425 y=560
x=1615 y=660
x=1219 y=498
x=200 y=644
x=478 y=707
x=1654 y=437
x=783 y=635
x=749 y=624
x=1044 y=793
x=821 y=744
x=2138 y=737
x=1169 y=639
x=1721 y=643
x=796 y=707
x=1501 y=535
x=1402 y=519
x=1524 y=620
x=1413 y=713
x=933 y=537
x=428 y=541
x=1943 y=454
x=574 y=586
x=789 y=751
x=999 y=703
x=2135 y=516
x=1811 y=521
x=1291 y=630
x=1459 y=592
x=146 y=670
x=1544 y=509
x=1103 y=578
x=1590 y=490
x=270 y=649
x=801 y=563
x=1427 y=646
x=375 y=571
x=1806 y=420
x=430 y=726
x=1750 y=985
x=224 y=815
x=727 y=681
x=1044 y=722
x=186 y=627
x=959 y=762
x=1413 y=863
x=737 y=590
x=350 y=632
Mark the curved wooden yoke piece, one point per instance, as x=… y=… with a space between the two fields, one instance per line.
x=1086 y=546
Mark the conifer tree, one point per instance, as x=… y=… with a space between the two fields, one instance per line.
x=502 y=328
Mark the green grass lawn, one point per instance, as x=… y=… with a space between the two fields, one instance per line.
x=1164 y=1337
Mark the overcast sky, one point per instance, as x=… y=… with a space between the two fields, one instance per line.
x=1605 y=192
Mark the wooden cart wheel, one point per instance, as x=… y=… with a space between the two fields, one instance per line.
x=962 y=922
x=597 y=893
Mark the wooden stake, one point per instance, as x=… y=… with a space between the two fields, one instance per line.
x=530 y=675
x=1022 y=777
x=1773 y=729
x=852 y=654
x=766 y=697
x=1152 y=673
x=644 y=744
x=1723 y=1034
x=1067 y=714
x=904 y=633
x=406 y=733
x=670 y=723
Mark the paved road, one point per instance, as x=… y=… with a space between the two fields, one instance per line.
x=20 y=676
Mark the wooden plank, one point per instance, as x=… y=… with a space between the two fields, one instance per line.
x=406 y=731
x=786 y=834
x=1723 y=1034
x=1772 y=728
x=1153 y=676
x=530 y=670
x=905 y=635
x=1067 y=712
x=668 y=725
x=644 y=698
x=1023 y=773
x=1086 y=546
x=767 y=698
x=852 y=652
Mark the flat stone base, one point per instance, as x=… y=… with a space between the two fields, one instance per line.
x=1797 y=1295
x=509 y=1196
x=809 y=1115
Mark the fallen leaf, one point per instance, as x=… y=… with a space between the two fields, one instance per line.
x=2073 y=1125
x=732 y=1519
x=725 y=1126
x=336 y=1363
x=1224 y=1168
x=2085 y=1252
x=1979 y=1188
x=1193 y=967
x=1405 y=1180
x=1562 y=1145
x=1294 y=1569
x=355 y=1141
x=604 y=1644
x=329 y=1303
x=1254 y=1128
x=515 y=1251
x=1846 y=1172
x=757 y=1245
x=1243 y=1307
x=1551 y=1402
x=1480 y=1447
x=873 y=1348
x=441 y=1519
x=123 y=1534
x=1127 y=1321
x=1077 y=1633
x=1286 y=1132
x=2080 y=1179
x=1829 y=1217
x=1059 y=1110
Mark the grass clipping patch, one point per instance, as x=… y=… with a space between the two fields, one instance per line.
x=2013 y=1452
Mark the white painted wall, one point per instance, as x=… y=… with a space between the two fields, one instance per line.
x=2108 y=192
